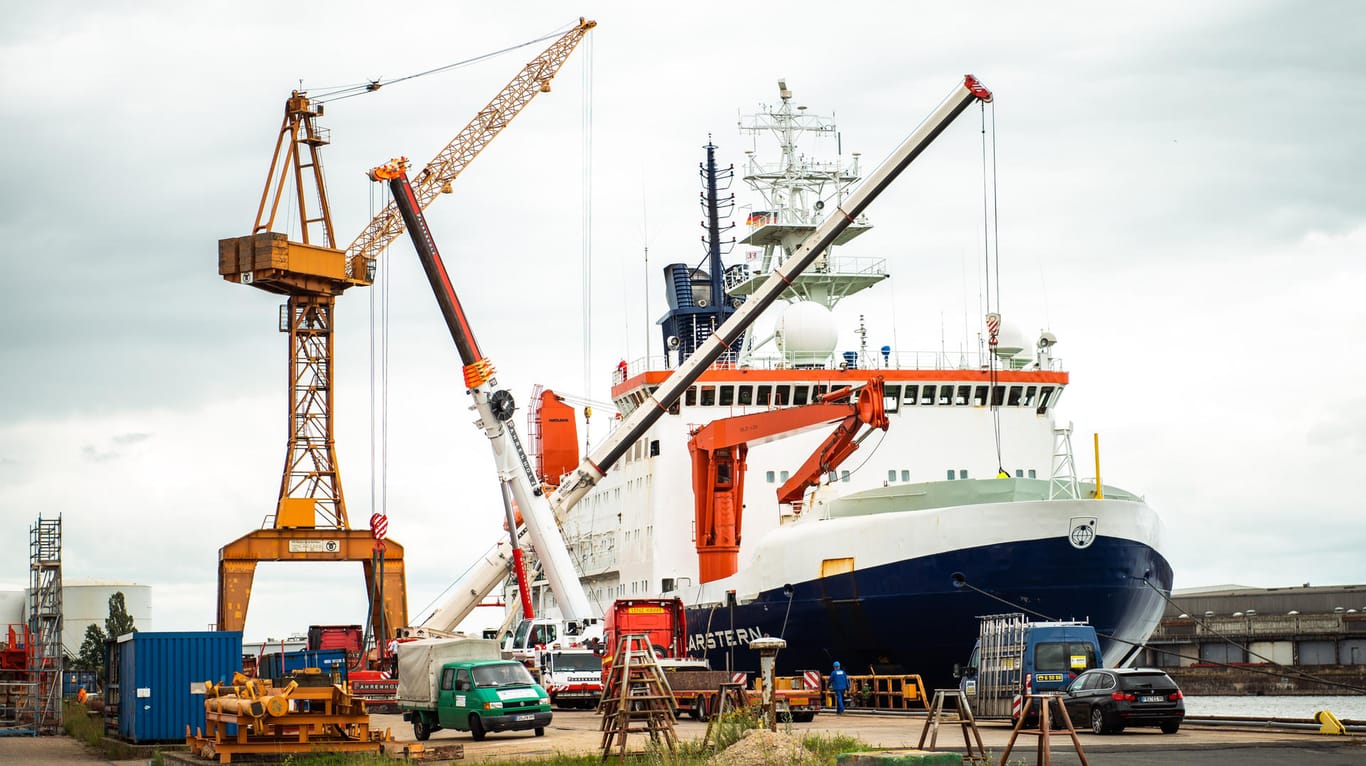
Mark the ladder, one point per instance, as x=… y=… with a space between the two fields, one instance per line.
x=962 y=715
x=636 y=699
x=730 y=699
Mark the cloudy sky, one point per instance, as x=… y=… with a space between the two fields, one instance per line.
x=1180 y=200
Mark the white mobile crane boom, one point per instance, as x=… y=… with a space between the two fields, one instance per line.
x=542 y=519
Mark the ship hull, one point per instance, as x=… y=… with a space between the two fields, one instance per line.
x=919 y=614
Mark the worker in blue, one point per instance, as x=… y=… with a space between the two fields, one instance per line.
x=839 y=684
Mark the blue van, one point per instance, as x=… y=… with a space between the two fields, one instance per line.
x=1014 y=657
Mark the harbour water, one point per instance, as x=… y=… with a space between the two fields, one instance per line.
x=1351 y=707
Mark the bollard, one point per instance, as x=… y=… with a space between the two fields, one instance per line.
x=768 y=652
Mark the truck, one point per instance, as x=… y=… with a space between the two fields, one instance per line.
x=466 y=685
x=696 y=687
x=1014 y=657
x=571 y=676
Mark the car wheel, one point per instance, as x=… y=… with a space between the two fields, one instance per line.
x=1098 y=721
x=540 y=731
x=421 y=731
x=1170 y=727
x=476 y=728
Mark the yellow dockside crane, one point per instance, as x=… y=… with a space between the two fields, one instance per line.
x=310 y=521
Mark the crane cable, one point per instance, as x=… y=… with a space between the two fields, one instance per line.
x=337 y=93
x=379 y=435
x=586 y=189
x=991 y=242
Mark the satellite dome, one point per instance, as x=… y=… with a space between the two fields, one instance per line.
x=806 y=333
x=1010 y=340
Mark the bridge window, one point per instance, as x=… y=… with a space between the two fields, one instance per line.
x=782 y=395
x=945 y=395
x=962 y=397
x=690 y=396
x=1045 y=394
x=727 y=395
x=979 y=397
x=745 y=394
x=799 y=394
x=891 y=398
x=709 y=396
x=1014 y=399
x=998 y=395
x=762 y=395
x=912 y=394
x=1029 y=396
x=927 y=395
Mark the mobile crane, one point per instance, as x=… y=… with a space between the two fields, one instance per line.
x=310 y=522
x=496 y=406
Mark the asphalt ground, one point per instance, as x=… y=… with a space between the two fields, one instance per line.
x=578 y=732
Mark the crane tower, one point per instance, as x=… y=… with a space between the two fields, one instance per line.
x=310 y=522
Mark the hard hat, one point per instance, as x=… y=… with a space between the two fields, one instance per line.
x=837 y=663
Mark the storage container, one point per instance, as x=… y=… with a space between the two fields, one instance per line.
x=160 y=680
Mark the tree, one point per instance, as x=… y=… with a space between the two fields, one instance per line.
x=91 y=656
x=119 y=620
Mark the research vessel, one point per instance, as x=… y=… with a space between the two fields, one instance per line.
x=967 y=503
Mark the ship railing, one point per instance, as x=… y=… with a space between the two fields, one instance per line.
x=839 y=265
x=879 y=360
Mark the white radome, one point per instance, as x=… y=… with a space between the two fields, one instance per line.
x=807 y=331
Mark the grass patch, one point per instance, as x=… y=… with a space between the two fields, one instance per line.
x=79 y=724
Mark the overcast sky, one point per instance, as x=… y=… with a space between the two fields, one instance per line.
x=1180 y=201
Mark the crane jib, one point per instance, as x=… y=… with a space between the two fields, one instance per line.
x=436 y=273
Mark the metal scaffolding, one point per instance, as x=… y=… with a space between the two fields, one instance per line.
x=45 y=623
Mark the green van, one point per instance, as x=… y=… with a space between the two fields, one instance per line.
x=446 y=684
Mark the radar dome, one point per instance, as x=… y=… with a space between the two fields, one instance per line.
x=807 y=332
x=1010 y=340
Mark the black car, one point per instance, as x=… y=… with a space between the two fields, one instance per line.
x=1110 y=700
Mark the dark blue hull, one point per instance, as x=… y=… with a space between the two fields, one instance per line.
x=909 y=617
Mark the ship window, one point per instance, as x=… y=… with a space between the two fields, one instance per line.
x=1044 y=394
x=783 y=476
x=950 y=472
x=654 y=448
x=905 y=475
x=1014 y=398
x=844 y=476
x=690 y=396
x=745 y=394
x=979 y=397
x=782 y=396
x=998 y=395
x=891 y=476
x=832 y=477
x=912 y=394
x=945 y=395
x=769 y=476
x=1029 y=397
x=891 y=398
x=727 y=396
x=799 y=394
x=709 y=396
x=1031 y=474
x=762 y=395
x=962 y=397
x=1019 y=473
x=962 y=473
x=927 y=395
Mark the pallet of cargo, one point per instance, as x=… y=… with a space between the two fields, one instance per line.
x=299 y=718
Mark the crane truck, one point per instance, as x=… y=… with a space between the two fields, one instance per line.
x=496 y=406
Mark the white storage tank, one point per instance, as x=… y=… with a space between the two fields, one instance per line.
x=13 y=607
x=86 y=602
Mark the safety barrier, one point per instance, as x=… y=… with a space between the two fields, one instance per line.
x=879 y=692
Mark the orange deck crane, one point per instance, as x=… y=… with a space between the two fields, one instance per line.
x=718 y=464
x=310 y=521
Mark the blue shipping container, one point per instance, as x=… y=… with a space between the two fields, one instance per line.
x=161 y=680
x=274 y=665
x=75 y=680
